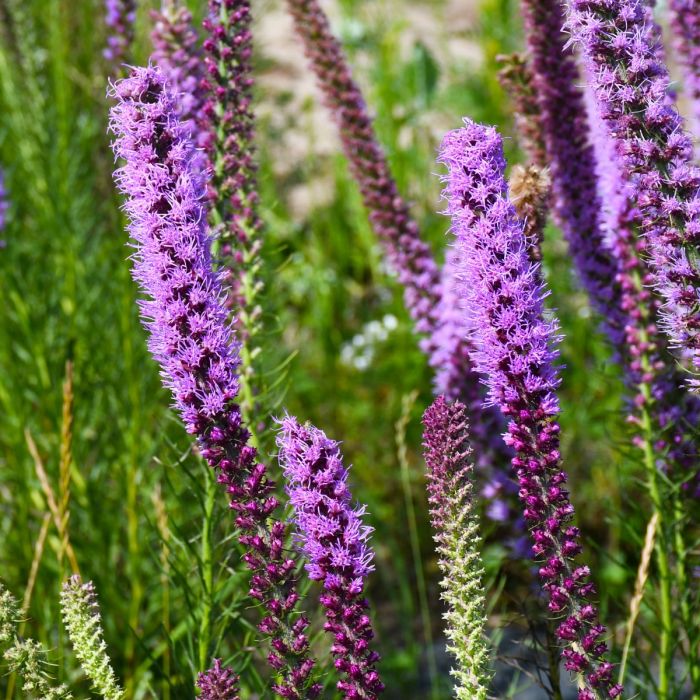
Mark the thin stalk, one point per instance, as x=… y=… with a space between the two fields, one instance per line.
x=206 y=554
x=407 y=403
x=683 y=587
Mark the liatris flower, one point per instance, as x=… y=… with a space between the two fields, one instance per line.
x=529 y=191
x=120 y=16
x=456 y=524
x=81 y=617
x=185 y=315
x=408 y=255
x=334 y=541
x=685 y=25
x=517 y=80
x=218 y=683
x=427 y=291
x=622 y=54
x=515 y=348
x=228 y=84
x=178 y=54
x=575 y=203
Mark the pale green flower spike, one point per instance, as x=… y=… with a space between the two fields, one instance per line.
x=25 y=657
x=9 y=615
x=455 y=520
x=81 y=617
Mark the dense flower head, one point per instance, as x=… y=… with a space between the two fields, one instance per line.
x=500 y=285
x=333 y=539
x=427 y=289
x=120 y=16
x=81 y=616
x=622 y=53
x=218 y=683
x=185 y=314
x=177 y=52
x=455 y=522
x=227 y=84
x=503 y=294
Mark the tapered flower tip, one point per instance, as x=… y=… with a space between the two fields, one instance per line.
x=472 y=154
x=331 y=532
x=218 y=683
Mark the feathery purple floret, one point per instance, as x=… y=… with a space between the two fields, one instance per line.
x=218 y=683
x=622 y=53
x=515 y=348
x=228 y=85
x=685 y=25
x=178 y=54
x=334 y=541
x=185 y=315
x=120 y=16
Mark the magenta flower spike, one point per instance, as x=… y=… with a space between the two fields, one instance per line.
x=120 y=16
x=184 y=313
x=334 y=541
x=685 y=25
x=228 y=85
x=622 y=53
x=515 y=349
x=218 y=683
x=427 y=289
x=177 y=52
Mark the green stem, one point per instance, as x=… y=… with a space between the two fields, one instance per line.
x=662 y=555
x=207 y=572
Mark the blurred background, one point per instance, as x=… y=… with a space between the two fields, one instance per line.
x=338 y=349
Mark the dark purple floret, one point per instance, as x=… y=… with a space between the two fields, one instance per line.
x=334 y=542
x=218 y=683
x=120 y=16
x=622 y=53
x=515 y=349
x=185 y=315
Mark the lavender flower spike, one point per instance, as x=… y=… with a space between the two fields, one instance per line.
x=334 y=541
x=515 y=348
x=622 y=54
x=456 y=524
x=685 y=25
x=218 y=683
x=177 y=53
x=120 y=16
x=191 y=339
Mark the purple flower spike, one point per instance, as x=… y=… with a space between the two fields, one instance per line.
x=334 y=541
x=515 y=348
x=120 y=16
x=185 y=315
x=622 y=52
x=218 y=683
x=177 y=53
x=685 y=24
x=228 y=84
x=427 y=290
